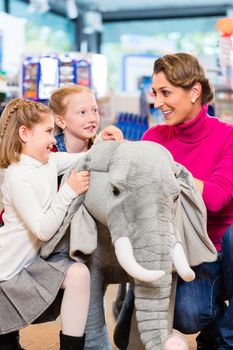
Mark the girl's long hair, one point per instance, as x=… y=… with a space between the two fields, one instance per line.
x=18 y=112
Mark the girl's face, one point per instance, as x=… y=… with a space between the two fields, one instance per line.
x=39 y=140
x=81 y=118
x=175 y=102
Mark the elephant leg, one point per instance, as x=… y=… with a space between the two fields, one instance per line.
x=134 y=337
x=123 y=324
x=96 y=331
x=172 y=302
x=118 y=303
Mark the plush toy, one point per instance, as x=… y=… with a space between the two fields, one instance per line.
x=141 y=217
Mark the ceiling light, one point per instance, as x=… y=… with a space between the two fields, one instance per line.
x=92 y=22
x=41 y=6
x=71 y=9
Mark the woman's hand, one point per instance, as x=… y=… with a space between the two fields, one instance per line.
x=79 y=181
x=111 y=132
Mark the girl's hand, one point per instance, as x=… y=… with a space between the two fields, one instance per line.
x=79 y=182
x=112 y=133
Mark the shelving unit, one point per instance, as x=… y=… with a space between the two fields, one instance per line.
x=224 y=103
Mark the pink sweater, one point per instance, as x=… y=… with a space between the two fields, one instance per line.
x=205 y=147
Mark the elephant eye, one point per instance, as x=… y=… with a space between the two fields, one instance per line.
x=116 y=192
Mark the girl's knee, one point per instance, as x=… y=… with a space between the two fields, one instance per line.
x=77 y=274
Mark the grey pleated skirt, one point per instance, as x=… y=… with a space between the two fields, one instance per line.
x=33 y=295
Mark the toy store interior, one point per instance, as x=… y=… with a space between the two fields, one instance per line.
x=110 y=46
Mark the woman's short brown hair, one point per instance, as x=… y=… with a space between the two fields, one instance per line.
x=184 y=70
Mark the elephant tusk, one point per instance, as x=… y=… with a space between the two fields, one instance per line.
x=125 y=257
x=181 y=264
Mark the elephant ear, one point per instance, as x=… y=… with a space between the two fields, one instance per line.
x=101 y=154
x=83 y=233
x=191 y=219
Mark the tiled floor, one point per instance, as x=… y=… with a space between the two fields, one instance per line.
x=45 y=336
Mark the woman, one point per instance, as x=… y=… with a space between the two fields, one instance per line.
x=204 y=145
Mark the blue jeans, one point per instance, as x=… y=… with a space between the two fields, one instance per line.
x=200 y=304
x=226 y=324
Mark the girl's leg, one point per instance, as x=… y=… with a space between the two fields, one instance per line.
x=75 y=302
x=122 y=329
x=10 y=341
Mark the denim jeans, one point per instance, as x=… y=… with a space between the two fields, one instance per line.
x=200 y=304
x=226 y=324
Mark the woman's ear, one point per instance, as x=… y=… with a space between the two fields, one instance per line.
x=196 y=91
x=24 y=133
x=59 y=121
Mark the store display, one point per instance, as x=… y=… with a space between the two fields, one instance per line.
x=42 y=74
x=40 y=77
x=132 y=125
x=225 y=27
x=66 y=70
x=134 y=67
x=83 y=73
x=74 y=71
x=30 y=78
x=105 y=112
x=224 y=84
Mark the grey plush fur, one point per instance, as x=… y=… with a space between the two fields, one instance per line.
x=136 y=191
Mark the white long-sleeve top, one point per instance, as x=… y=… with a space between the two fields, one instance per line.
x=34 y=209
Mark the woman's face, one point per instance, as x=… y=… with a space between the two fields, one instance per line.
x=174 y=102
x=81 y=118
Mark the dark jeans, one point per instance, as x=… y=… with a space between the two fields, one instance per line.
x=226 y=324
x=200 y=304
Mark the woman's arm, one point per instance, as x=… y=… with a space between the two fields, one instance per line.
x=218 y=188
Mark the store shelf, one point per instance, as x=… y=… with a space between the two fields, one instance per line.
x=223 y=88
x=8 y=89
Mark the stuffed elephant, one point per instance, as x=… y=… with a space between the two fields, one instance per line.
x=129 y=227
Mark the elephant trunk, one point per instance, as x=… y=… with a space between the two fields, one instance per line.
x=150 y=228
x=152 y=308
x=152 y=299
x=125 y=257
